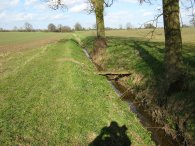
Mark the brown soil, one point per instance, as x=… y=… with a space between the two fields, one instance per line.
x=99 y=51
x=6 y=49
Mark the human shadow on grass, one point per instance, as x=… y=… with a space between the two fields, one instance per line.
x=113 y=135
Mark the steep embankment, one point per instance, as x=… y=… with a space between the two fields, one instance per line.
x=144 y=61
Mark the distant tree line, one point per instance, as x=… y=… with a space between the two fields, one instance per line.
x=60 y=28
x=50 y=28
x=78 y=27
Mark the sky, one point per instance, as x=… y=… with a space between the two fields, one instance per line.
x=37 y=12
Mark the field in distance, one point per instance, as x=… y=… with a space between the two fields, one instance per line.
x=15 y=41
x=188 y=34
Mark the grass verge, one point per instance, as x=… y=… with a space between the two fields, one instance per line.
x=57 y=99
x=144 y=60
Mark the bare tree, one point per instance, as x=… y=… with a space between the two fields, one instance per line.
x=192 y=22
x=51 y=27
x=149 y=26
x=129 y=25
x=66 y=29
x=15 y=28
x=78 y=27
x=60 y=26
x=120 y=26
x=56 y=4
x=28 y=27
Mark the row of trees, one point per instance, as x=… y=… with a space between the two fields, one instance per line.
x=61 y=28
x=51 y=28
x=77 y=27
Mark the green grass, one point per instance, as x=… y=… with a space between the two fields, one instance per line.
x=13 y=38
x=129 y=51
x=188 y=34
x=55 y=98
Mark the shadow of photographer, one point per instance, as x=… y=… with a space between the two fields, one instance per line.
x=114 y=135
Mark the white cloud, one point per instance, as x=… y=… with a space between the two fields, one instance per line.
x=30 y=2
x=13 y=17
x=113 y=19
x=147 y=14
x=2 y=15
x=79 y=8
x=37 y=4
x=22 y=16
x=118 y=15
x=41 y=7
x=14 y=2
x=129 y=1
x=73 y=2
x=57 y=17
x=7 y=4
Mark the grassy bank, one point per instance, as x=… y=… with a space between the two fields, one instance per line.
x=128 y=51
x=55 y=98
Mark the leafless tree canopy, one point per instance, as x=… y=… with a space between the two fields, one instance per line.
x=28 y=26
x=108 y=3
x=91 y=4
x=56 y=4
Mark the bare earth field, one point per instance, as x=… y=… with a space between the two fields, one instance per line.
x=18 y=41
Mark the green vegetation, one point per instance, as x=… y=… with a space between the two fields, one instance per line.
x=127 y=50
x=52 y=96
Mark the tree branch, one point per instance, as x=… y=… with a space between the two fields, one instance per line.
x=56 y=4
x=154 y=22
x=108 y=3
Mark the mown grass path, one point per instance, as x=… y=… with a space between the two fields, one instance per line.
x=56 y=98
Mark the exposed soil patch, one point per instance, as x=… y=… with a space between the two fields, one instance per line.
x=99 y=51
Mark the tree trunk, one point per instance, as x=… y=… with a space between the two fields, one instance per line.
x=99 y=12
x=173 y=46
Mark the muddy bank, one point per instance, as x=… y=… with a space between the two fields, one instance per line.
x=158 y=133
x=146 y=114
